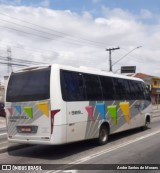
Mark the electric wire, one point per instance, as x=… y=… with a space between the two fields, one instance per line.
x=57 y=32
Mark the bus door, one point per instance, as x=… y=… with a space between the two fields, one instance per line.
x=76 y=121
x=73 y=94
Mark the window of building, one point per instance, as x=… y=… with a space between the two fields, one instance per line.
x=155 y=82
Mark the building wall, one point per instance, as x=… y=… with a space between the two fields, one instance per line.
x=155 y=83
x=155 y=91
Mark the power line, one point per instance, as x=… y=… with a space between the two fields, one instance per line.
x=55 y=35
x=35 y=49
x=57 y=32
x=69 y=40
x=15 y=64
x=22 y=61
x=44 y=37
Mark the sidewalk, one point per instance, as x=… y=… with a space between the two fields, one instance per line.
x=156 y=107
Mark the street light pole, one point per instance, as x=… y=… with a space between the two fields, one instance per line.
x=125 y=55
x=110 y=59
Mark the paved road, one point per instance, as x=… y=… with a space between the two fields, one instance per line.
x=127 y=147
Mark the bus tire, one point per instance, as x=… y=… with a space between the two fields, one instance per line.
x=103 y=135
x=147 y=123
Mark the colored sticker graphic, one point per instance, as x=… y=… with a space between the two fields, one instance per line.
x=29 y=111
x=44 y=107
x=89 y=109
x=101 y=109
x=10 y=110
x=18 y=109
x=113 y=113
x=125 y=107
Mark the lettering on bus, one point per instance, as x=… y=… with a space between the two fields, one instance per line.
x=15 y=118
x=76 y=112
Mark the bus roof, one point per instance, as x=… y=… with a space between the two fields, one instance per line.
x=94 y=71
x=82 y=69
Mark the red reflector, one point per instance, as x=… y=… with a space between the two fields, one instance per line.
x=53 y=113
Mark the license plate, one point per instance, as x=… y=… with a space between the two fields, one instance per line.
x=26 y=129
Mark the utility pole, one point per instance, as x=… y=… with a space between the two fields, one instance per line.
x=110 y=59
x=9 y=59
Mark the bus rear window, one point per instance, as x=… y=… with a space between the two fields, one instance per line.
x=29 y=86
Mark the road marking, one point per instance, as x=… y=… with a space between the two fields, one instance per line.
x=71 y=171
x=69 y=165
x=3 y=143
x=3 y=134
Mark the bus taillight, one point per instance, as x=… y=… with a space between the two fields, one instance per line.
x=53 y=113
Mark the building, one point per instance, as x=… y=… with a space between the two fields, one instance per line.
x=154 y=85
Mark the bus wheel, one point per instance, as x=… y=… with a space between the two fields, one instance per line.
x=147 y=124
x=103 y=135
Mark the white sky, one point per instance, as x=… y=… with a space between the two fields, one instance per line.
x=80 y=39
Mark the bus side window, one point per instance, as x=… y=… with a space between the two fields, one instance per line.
x=132 y=90
x=126 y=84
x=146 y=92
x=122 y=89
x=73 y=86
x=107 y=88
x=136 y=90
x=140 y=90
x=93 y=87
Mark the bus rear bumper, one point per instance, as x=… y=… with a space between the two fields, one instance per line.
x=37 y=142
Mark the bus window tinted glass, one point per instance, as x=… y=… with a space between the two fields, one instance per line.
x=73 y=86
x=107 y=88
x=146 y=92
x=29 y=86
x=133 y=91
x=136 y=89
x=93 y=87
x=140 y=90
x=122 y=89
